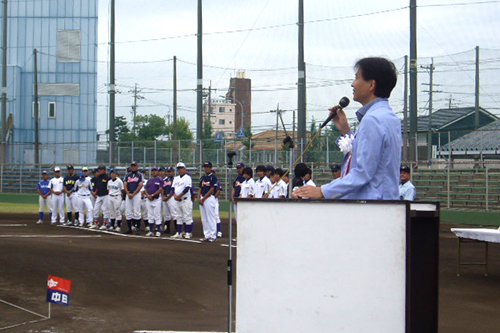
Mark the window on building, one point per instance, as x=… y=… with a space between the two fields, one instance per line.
x=222 y=122
x=52 y=109
x=222 y=109
x=33 y=109
x=68 y=45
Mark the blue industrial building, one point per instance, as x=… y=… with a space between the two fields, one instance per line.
x=64 y=32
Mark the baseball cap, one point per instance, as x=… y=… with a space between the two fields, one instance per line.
x=154 y=168
x=102 y=167
x=81 y=175
x=56 y=169
x=269 y=168
x=95 y=170
x=133 y=163
x=44 y=172
x=69 y=167
x=112 y=170
x=335 y=167
x=162 y=169
x=169 y=169
x=142 y=171
x=405 y=168
x=207 y=164
x=85 y=169
x=240 y=165
x=180 y=165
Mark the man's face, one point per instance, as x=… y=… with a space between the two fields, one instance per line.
x=246 y=176
x=240 y=171
x=162 y=173
x=208 y=170
x=269 y=173
x=276 y=178
x=133 y=168
x=260 y=174
x=170 y=173
x=45 y=176
x=57 y=174
x=70 y=172
x=286 y=179
x=86 y=173
x=404 y=177
x=113 y=175
x=307 y=176
x=181 y=171
x=336 y=174
x=154 y=173
x=362 y=90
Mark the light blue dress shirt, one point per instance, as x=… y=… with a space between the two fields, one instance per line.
x=407 y=191
x=376 y=157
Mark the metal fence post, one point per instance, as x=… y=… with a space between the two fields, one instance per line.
x=155 y=152
x=132 y=157
x=250 y=152
x=145 y=161
x=20 y=182
x=486 y=175
x=1 y=178
x=119 y=159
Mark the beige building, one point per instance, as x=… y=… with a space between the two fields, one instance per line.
x=221 y=114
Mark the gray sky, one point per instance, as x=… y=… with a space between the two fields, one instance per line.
x=260 y=37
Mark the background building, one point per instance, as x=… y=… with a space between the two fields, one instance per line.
x=240 y=92
x=64 y=32
x=221 y=114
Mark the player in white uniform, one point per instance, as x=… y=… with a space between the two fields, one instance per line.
x=248 y=186
x=280 y=189
x=144 y=202
x=83 y=188
x=263 y=184
x=307 y=178
x=115 y=188
x=184 y=206
x=218 y=190
x=57 y=188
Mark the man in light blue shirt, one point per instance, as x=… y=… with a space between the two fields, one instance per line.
x=371 y=171
x=407 y=190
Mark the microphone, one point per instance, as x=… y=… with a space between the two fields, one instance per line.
x=344 y=102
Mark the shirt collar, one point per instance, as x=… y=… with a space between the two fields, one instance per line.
x=362 y=111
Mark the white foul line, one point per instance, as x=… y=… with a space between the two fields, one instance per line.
x=13 y=225
x=20 y=308
x=50 y=236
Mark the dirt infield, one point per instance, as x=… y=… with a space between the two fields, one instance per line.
x=123 y=284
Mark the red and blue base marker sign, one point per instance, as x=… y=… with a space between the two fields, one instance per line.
x=58 y=290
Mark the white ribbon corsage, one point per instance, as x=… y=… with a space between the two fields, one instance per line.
x=345 y=143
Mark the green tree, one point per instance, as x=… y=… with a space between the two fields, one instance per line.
x=208 y=139
x=183 y=132
x=248 y=137
x=150 y=127
x=122 y=130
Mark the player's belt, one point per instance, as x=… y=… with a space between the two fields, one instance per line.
x=118 y=195
x=83 y=195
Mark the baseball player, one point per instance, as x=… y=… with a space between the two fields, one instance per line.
x=279 y=190
x=269 y=171
x=218 y=190
x=168 y=202
x=206 y=198
x=263 y=184
x=235 y=193
x=83 y=187
x=45 y=199
x=102 y=197
x=336 y=171
x=248 y=185
x=184 y=205
x=57 y=189
x=93 y=197
x=71 y=201
x=133 y=184
x=115 y=189
x=144 y=203
x=152 y=190
x=307 y=178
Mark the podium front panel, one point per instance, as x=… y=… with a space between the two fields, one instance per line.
x=321 y=266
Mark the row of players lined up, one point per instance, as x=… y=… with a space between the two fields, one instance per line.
x=162 y=198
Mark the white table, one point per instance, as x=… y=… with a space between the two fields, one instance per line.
x=485 y=236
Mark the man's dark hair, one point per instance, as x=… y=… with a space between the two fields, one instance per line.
x=382 y=71
x=260 y=168
x=300 y=170
x=248 y=171
x=309 y=171
x=279 y=172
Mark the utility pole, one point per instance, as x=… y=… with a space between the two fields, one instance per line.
x=405 y=113
x=175 y=111
x=301 y=107
x=199 y=87
x=278 y=112
x=430 y=91
x=476 y=102
x=413 y=80
x=36 y=110
x=136 y=92
x=112 y=88
x=3 y=121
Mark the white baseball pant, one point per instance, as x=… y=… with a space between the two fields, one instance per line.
x=144 y=208
x=133 y=207
x=101 y=204
x=168 y=208
x=85 y=204
x=154 y=211
x=123 y=207
x=57 y=205
x=114 y=203
x=71 y=202
x=45 y=202
x=217 y=217
x=207 y=211
x=184 y=211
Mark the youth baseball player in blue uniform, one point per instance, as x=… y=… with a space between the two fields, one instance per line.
x=153 y=190
x=169 y=213
x=45 y=199
x=206 y=198
x=71 y=200
x=133 y=184
x=57 y=189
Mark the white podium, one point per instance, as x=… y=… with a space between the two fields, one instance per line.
x=336 y=266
